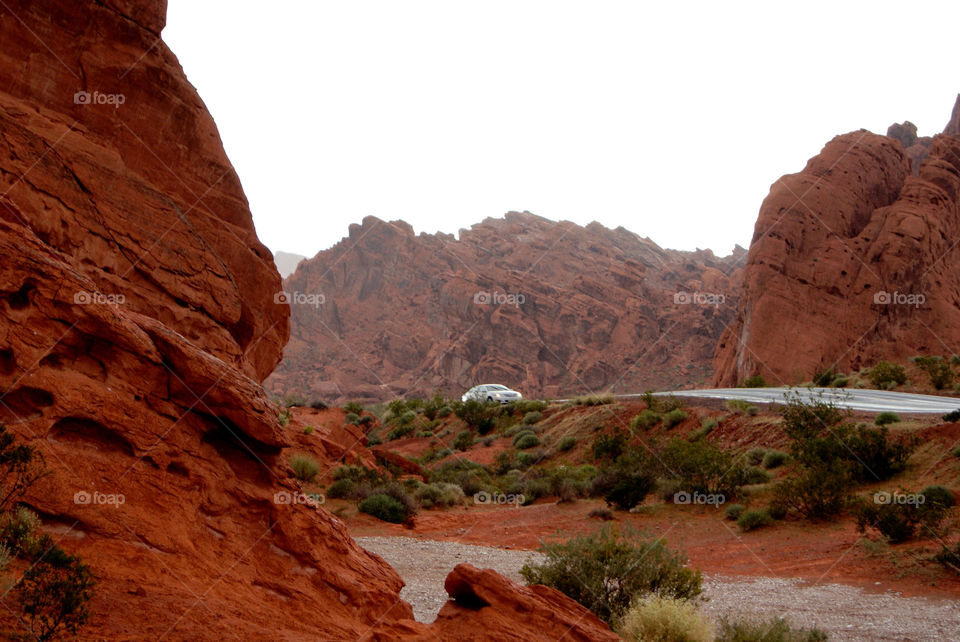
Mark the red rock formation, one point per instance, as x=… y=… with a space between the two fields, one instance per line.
x=550 y=308
x=138 y=319
x=853 y=260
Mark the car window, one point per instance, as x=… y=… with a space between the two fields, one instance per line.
x=497 y=388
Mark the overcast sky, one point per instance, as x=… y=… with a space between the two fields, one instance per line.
x=671 y=120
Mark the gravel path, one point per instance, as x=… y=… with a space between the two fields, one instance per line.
x=844 y=612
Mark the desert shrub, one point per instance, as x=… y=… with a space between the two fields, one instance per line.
x=871 y=453
x=463 y=441
x=937 y=370
x=17 y=530
x=366 y=420
x=601 y=513
x=318 y=404
x=594 y=400
x=342 y=489
x=673 y=418
x=754 y=456
x=624 y=487
x=384 y=507
x=520 y=434
x=567 y=443
x=774 y=459
x=752 y=411
x=756 y=381
x=354 y=407
x=305 y=468
x=432 y=407
x=817 y=492
x=532 y=417
x=823 y=378
x=938 y=495
x=284 y=416
x=351 y=418
x=406 y=418
x=840 y=381
x=664 y=620
x=701 y=467
x=605 y=571
x=707 y=424
x=401 y=431
x=609 y=446
x=308 y=430
x=777 y=510
x=886 y=375
x=439 y=495
x=952 y=416
x=481 y=415
x=738 y=406
x=470 y=476
x=374 y=440
x=775 y=630
x=753 y=519
x=755 y=475
x=885 y=418
x=645 y=420
x=662 y=403
x=524 y=406
x=733 y=511
x=355 y=473
x=53 y=593
x=898 y=521
x=526 y=441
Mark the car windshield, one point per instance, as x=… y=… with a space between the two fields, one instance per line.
x=497 y=387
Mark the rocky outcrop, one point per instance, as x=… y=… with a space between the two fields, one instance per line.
x=853 y=260
x=549 y=308
x=139 y=316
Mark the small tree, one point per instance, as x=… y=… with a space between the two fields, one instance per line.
x=886 y=375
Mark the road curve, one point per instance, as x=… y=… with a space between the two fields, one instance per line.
x=854 y=399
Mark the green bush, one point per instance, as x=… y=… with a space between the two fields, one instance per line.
x=775 y=630
x=54 y=592
x=700 y=467
x=754 y=519
x=662 y=403
x=468 y=475
x=733 y=511
x=318 y=404
x=840 y=382
x=664 y=620
x=284 y=416
x=708 y=424
x=755 y=456
x=885 y=418
x=567 y=443
x=777 y=510
x=756 y=381
x=384 y=507
x=463 y=440
x=594 y=400
x=308 y=430
x=673 y=418
x=774 y=459
x=605 y=571
x=481 y=415
x=738 y=406
x=343 y=489
x=816 y=492
x=401 y=431
x=526 y=441
x=609 y=446
x=755 y=475
x=645 y=420
x=351 y=418
x=898 y=521
x=406 y=418
x=353 y=407
x=886 y=375
x=624 y=485
x=304 y=467
x=938 y=495
x=532 y=417
x=823 y=378
x=439 y=495
x=937 y=370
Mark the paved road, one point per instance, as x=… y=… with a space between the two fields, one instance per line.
x=866 y=400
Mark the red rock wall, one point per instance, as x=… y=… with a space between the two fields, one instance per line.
x=853 y=260
x=592 y=308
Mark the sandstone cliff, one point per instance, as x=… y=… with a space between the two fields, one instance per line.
x=853 y=260
x=549 y=308
x=139 y=318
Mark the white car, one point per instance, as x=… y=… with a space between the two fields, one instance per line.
x=492 y=392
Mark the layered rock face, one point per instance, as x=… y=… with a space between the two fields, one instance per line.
x=853 y=260
x=548 y=308
x=138 y=319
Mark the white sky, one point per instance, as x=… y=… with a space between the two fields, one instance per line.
x=671 y=120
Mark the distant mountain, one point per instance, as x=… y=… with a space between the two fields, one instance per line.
x=287 y=262
x=548 y=308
